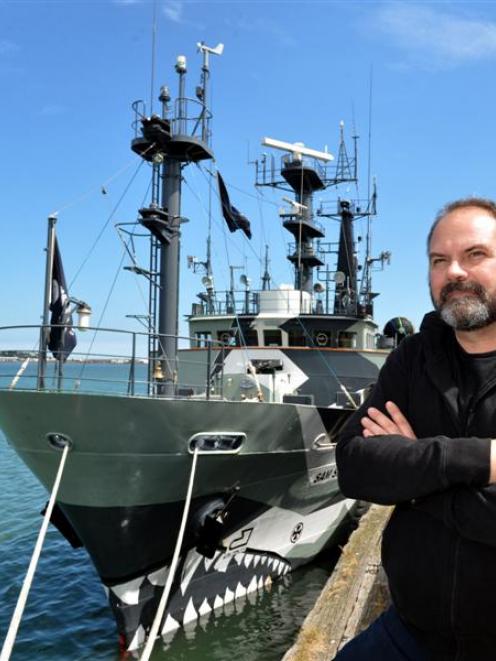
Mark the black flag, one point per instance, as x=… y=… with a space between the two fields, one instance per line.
x=62 y=340
x=234 y=218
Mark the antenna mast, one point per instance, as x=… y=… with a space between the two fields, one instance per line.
x=301 y=174
x=171 y=144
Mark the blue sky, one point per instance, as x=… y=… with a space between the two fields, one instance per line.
x=290 y=70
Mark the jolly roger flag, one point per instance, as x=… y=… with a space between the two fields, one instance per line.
x=235 y=219
x=61 y=340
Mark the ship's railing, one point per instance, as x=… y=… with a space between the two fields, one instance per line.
x=358 y=207
x=252 y=302
x=288 y=160
x=268 y=170
x=227 y=303
x=289 y=216
x=191 y=118
x=109 y=361
x=139 y=108
x=314 y=251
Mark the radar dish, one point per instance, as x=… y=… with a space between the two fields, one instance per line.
x=297 y=149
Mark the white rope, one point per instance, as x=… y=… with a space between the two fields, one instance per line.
x=20 y=372
x=172 y=570
x=21 y=601
x=349 y=397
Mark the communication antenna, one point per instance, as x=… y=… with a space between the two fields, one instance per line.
x=154 y=54
x=298 y=149
x=202 y=91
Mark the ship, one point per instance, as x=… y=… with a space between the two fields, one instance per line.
x=242 y=418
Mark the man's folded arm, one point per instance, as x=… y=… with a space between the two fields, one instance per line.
x=391 y=468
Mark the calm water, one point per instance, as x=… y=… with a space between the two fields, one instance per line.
x=67 y=617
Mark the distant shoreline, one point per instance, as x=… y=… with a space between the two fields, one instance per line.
x=100 y=361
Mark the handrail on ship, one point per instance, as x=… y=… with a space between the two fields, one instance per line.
x=210 y=385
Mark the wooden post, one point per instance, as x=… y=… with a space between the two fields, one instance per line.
x=355 y=594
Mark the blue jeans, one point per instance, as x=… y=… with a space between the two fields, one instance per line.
x=386 y=639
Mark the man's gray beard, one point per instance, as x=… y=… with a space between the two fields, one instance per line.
x=471 y=312
x=466 y=313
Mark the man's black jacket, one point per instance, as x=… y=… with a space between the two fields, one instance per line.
x=439 y=548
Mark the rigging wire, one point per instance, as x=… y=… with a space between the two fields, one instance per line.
x=109 y=296
x=205 y=174
x=132 y=255
x=111 y=215
x=93 y=190
x=327 y=366
x=306 y=333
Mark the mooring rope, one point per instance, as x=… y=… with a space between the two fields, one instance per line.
x=20 y=372
x=23 y=595
x=173 y=566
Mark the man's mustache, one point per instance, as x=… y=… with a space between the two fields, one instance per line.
x=469 y=287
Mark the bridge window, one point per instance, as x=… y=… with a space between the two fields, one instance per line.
x=297 y=338
x=249 y=337
x=347 y=340
x=272 y=338
x=203 y=338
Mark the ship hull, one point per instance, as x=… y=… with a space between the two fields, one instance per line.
x=271 y=503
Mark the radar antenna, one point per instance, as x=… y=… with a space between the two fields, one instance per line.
x=298 y=149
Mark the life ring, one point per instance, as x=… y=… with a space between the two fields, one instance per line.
x=225 y=337
x=322 y=339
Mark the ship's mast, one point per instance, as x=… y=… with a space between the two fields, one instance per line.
x=303 y=172
x=170 y=144
x=302 y=177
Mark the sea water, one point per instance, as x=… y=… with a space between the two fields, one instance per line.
x=67 y=617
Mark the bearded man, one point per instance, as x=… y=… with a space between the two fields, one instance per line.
x=424 y=441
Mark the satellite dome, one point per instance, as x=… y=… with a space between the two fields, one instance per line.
x=398 y=328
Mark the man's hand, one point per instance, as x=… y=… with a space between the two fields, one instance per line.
x=492 y=473
x=377 y=423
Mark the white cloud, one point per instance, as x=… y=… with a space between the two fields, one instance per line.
x=435 y=37
x=173 y=10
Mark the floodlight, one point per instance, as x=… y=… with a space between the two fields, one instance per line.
x=181 y=64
